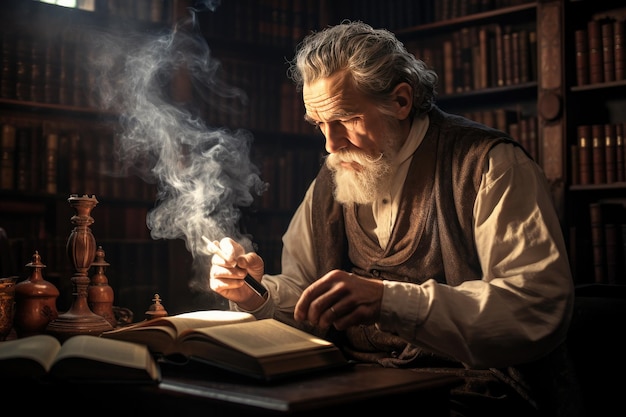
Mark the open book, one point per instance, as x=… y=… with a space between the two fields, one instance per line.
x=79 y=358
x=264 y=349
x=160 y=334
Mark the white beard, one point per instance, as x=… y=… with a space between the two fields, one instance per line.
x=363 y=185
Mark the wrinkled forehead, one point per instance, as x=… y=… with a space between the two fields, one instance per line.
x=326 y=98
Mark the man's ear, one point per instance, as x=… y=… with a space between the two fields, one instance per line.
x=403 y=100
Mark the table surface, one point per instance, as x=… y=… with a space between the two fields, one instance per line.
x=347 y=386
x=204 y=390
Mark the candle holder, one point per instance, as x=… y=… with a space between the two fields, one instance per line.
x=81 y=249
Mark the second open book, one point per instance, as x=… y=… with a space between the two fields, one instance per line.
x=265 y=349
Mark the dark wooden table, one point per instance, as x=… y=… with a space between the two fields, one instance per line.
x=205 y=391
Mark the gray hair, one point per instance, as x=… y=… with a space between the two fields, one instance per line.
x=376 y=60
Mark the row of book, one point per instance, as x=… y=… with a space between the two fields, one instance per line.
x=480 y=57
x=283 y=23
x=599 y=157
x=263 y=99
x=51 y=72
x=599 y=51
x=400 y=14
x=288 y=173
x=521 y=127
x=273 y=23
x=57 y=159
x=451 y=9
x=608 y=240
x=51 y=158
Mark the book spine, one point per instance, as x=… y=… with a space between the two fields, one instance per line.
x=515 y=57
x=620 y=149
x=610 y=153
x=63 y=162
x=618 y=45
x=532 y=55
x=507 y=49
x=598 y=154
x=476 y=64
x=499 y=55
x=22 y=68
x=594 y=36
x=7 y=158
x=608 y=51
x=22 y=159
x=50 y=172
x=597 y=242
x=457 y=50
x=448 y=66
x=483 y=42
x=584 y=154
x=75 y=169
x=51 y=72
x=7 y=65
x=524 y=57
x=582 y=57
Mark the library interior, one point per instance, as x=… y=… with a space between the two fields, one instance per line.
x=134 y=132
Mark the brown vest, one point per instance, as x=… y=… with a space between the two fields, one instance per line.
x=433 y=236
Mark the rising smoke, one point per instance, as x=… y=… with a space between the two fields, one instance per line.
x=203 y=174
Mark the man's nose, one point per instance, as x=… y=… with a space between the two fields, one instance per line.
x=335 y=138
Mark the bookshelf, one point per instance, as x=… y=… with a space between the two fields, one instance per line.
x=486 y=56
x=539 y=103
x=56 y=142
x=540 y=99
x=45 y=97
x=595 y=112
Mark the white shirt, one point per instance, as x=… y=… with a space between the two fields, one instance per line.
x=518 y=311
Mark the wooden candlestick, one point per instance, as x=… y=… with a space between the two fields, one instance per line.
x=81 y=249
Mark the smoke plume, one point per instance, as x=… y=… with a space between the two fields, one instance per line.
x=203 y=174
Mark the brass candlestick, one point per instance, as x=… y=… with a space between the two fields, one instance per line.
x=81 y=249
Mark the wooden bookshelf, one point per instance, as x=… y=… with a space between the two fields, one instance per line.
x=594 y=107
x=43 y=93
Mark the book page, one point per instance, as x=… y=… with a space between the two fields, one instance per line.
x=208 y=318
x=89 y=357
x=159 y=334
x=262 y=337
x=175 y=325
x=40 y=348
x=117 y=352
x=158 y=339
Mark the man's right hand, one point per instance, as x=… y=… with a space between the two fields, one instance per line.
x=227 y=275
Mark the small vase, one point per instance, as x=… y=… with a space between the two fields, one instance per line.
x=99 y=293
x=35 y=301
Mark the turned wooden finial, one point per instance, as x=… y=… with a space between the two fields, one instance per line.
x=156 y=309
